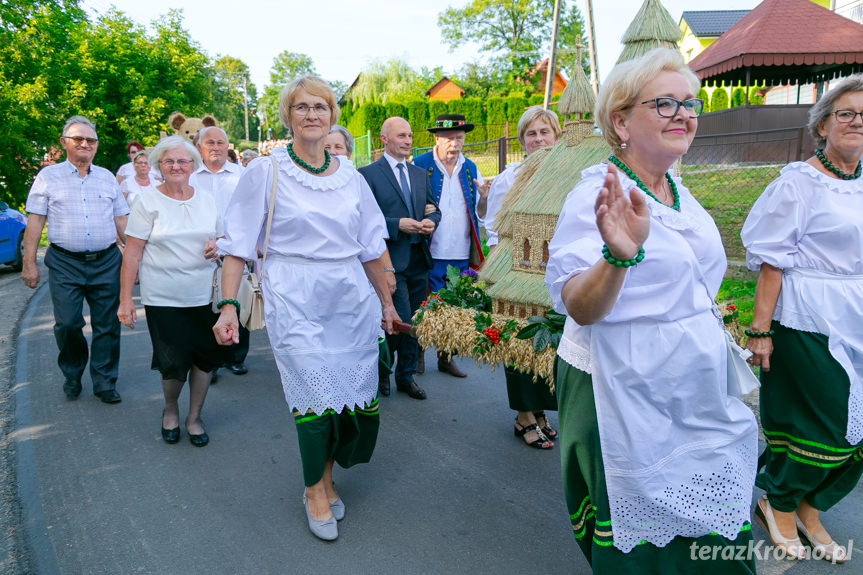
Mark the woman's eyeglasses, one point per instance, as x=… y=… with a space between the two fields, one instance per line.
x=318 y=109
x=667 y=107
x=179 y=163
x=846 y=116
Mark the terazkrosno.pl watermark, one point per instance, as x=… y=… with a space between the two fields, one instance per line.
x=757 y=550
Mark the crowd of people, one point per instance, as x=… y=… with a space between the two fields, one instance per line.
x=658 y=455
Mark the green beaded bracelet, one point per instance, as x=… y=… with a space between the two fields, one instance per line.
x=622 y=263
x=225 y=302
x=750 y=333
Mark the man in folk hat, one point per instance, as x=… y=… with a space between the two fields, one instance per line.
x=457 y=186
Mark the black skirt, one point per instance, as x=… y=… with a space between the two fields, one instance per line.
x=183 y=337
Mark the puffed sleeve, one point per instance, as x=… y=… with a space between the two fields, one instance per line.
x=140 y=222
x=373 y=226
x=246 y=214
x=775 y=224
x=37 y=199
x=576 y=244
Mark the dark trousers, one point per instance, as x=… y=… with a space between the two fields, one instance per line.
x=239 y=351
x=411 y=289
x=71 y=281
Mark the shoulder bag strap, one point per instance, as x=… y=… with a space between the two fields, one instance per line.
x=270 y=210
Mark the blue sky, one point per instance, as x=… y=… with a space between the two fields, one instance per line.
x=342 y=36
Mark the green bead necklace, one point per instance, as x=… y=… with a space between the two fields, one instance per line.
x=829 y=165
x=674 y=206
x=304 y=165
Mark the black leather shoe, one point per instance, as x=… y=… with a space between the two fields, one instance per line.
x=384 y=387
x=412 y=389
x=214 y=376
x=199 y=440
x=239 y=369
x=72 y=388
x=171 y=435
x=109 y=396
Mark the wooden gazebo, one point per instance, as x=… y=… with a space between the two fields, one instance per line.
x=783 y=42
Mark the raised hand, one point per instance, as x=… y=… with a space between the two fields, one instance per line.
x=623 y=220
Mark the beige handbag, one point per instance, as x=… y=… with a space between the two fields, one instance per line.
x=249 y=294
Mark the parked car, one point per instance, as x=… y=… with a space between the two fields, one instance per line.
x=12 y=224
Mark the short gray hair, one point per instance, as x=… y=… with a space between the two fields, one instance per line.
x=249 y=154
x=204 y=130
x=170 y=143
x=621 y=88
x=77 y=120
x=821 y=110
x=531 y=115
x=349 y=140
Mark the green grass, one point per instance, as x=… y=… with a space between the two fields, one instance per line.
x=742 y=294
x=727 y=192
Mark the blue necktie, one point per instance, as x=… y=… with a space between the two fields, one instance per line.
x=406 y=191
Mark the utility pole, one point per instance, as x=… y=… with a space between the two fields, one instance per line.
x=591 y=42
x=246 y=107
x=552 y=59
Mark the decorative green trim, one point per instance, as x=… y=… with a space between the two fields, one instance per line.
x=812 y=443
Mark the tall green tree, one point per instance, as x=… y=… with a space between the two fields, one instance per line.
x=390 y=81
x=515 y=34
x=231 y=85
x=286 y=66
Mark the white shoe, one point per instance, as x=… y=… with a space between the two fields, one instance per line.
x=832 y=551
x=764 y=516
x=327 y=530
x=338 y=508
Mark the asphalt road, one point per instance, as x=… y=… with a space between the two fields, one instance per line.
x=449 y=490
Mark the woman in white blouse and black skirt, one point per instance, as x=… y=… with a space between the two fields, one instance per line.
x=171 y=235
x=323 y=318
x=805 y=236
x=658 y=461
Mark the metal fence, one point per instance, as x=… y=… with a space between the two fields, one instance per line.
x=727 y=173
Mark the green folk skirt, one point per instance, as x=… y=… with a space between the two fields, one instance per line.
x=587 y=501
x=525 y=395
x=804 y=416
x=348 y=437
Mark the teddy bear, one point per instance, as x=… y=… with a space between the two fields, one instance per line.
x=189 y=127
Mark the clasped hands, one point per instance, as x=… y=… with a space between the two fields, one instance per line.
x=412 y=226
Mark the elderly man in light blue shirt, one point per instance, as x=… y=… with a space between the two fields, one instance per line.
x=87 y=213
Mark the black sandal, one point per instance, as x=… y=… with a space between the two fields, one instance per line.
x=541 y=443
x=547 y=429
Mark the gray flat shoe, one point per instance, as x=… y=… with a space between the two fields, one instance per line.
x=326 y=530
x=338 y=509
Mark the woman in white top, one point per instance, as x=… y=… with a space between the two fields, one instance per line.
x=171 y=235
x=537 y=128
x=323 y=318
x=805 y=236
x=142 y=179
x=657 y=458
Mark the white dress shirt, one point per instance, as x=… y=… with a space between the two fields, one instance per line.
x=80 y=211
x=220 y=184
x=451 y=240
x=499 y=187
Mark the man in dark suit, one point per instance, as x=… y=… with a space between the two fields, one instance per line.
x=406 y=200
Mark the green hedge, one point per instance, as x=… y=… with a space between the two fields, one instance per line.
x=702 y=95
x=755 y=98
x=515 y=106
x=536 y=100
x=395 y=109
x=367 y=117
x=495 y=110
x=472 y=110
x=719 y=100
x=436 y=108
x=738 y=97
x=418 y=115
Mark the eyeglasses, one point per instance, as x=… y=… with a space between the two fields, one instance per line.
x=304 y=109
x=79 y=140
x=667 y=107
x=846 y=116
x=179 y=163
